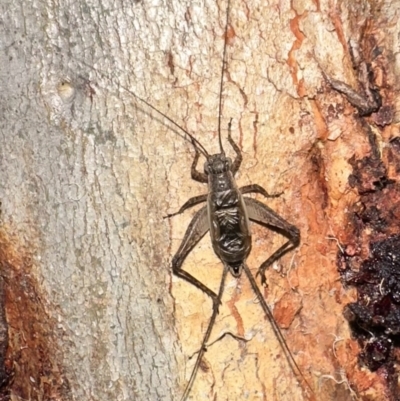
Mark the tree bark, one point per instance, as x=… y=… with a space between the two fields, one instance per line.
x=88 y=172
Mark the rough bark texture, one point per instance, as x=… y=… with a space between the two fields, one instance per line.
x=88 y=172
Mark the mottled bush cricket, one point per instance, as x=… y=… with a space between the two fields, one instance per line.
x=227 y=215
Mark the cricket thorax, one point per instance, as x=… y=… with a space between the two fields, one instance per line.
x=218 y=169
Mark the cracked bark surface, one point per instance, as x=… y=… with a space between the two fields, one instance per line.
x=87 y=174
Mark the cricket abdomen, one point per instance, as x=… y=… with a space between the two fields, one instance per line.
x=229 y=228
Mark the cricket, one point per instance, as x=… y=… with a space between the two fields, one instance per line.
x=226 y=214
x=226 y=217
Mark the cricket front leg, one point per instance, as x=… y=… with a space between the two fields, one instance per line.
x=196 y=230
x=197 y=175
x=265 y=216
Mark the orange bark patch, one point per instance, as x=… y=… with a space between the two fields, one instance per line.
x=32 y=347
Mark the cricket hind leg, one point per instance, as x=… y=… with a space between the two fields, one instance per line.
x=196 y=230
x=277 y=331
x=206 y=337
x=262 y=214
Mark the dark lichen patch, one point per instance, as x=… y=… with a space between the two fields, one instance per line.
x=370 y=262
x=384 y=116
x=369 y=175
x=379 y=208
x=375 y=317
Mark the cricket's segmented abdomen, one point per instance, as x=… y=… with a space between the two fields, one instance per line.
x=229 y=226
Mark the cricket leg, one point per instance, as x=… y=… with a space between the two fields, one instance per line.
x=203 y=348
x=275 y=327
x=194 y=233
x=262 y=214
x=196 y=175
x=188 y=204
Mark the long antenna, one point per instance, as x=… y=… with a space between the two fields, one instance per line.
x=193 y=140
x=221 y=85
x=203 y=348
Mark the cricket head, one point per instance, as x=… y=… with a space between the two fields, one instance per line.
x=217 y=164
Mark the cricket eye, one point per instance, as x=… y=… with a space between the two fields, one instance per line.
x=207 y=167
